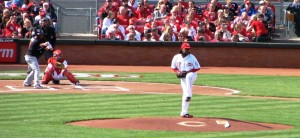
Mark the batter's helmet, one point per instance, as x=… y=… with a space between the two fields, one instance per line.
x=38 y=32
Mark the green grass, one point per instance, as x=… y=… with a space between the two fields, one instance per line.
x=43 y=115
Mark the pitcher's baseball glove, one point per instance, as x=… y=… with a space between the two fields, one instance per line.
x=59 y=65
x=181 y=74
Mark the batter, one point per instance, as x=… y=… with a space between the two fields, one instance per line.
x=37 y=46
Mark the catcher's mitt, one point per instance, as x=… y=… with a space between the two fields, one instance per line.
x=59 y=65
x=181 y=74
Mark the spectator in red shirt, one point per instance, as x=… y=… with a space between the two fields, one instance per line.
x=217 y=5
x=196 y=17
x=131 y=11
x=181 y=10
x=206 y=25
x=148 y=36
x=156 y=25
x=176 y=26
x=184 y=4
x=174 y=14
x=201 y=35
x=103 y=9
x=196 y=9
x=123 y=16
x=116 y=3
x=240 y=30
x=211 y=13
x=148 y=7
x=259 y=28
x=12 y=26
x=142 y=12
x=155 y=35
x=190 y=19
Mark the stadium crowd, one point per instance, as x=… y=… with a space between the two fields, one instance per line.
x=19 y=18
x=186 y=21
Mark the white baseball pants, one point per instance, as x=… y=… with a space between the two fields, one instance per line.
x=34 y=75
x=186 y=84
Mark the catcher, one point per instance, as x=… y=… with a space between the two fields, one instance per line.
x=56 y=69
x=185 y=66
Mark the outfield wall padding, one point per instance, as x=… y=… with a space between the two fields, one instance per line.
x=230 y=54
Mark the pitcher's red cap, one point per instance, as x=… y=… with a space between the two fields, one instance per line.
x=185 y=45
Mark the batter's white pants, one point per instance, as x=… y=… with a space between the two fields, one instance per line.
x=186 y=84
x=34 y=75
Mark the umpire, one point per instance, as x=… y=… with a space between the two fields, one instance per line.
x=49 y=34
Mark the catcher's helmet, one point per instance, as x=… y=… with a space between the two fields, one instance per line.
x=57 y=53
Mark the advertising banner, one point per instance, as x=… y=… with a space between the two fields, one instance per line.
x=8 y=51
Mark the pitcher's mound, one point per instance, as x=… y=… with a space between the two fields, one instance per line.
x=180 y=124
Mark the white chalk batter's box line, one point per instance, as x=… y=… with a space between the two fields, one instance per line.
x=48 y=88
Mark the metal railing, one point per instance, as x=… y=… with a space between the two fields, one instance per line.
x=288 y=22
x=75 y=20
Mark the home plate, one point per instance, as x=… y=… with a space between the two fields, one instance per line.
x=80 y=87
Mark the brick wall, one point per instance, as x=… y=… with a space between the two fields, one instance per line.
x=228 y=56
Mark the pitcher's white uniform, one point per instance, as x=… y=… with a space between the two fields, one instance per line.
x=191 y=65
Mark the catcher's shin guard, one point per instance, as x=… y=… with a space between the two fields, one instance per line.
x=70 y=77
x=46 y=78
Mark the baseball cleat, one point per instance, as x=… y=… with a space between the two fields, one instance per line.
x=187 y=116
x=38 y=87
x=77 y=83
x=188 y=99
x=26 y=85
